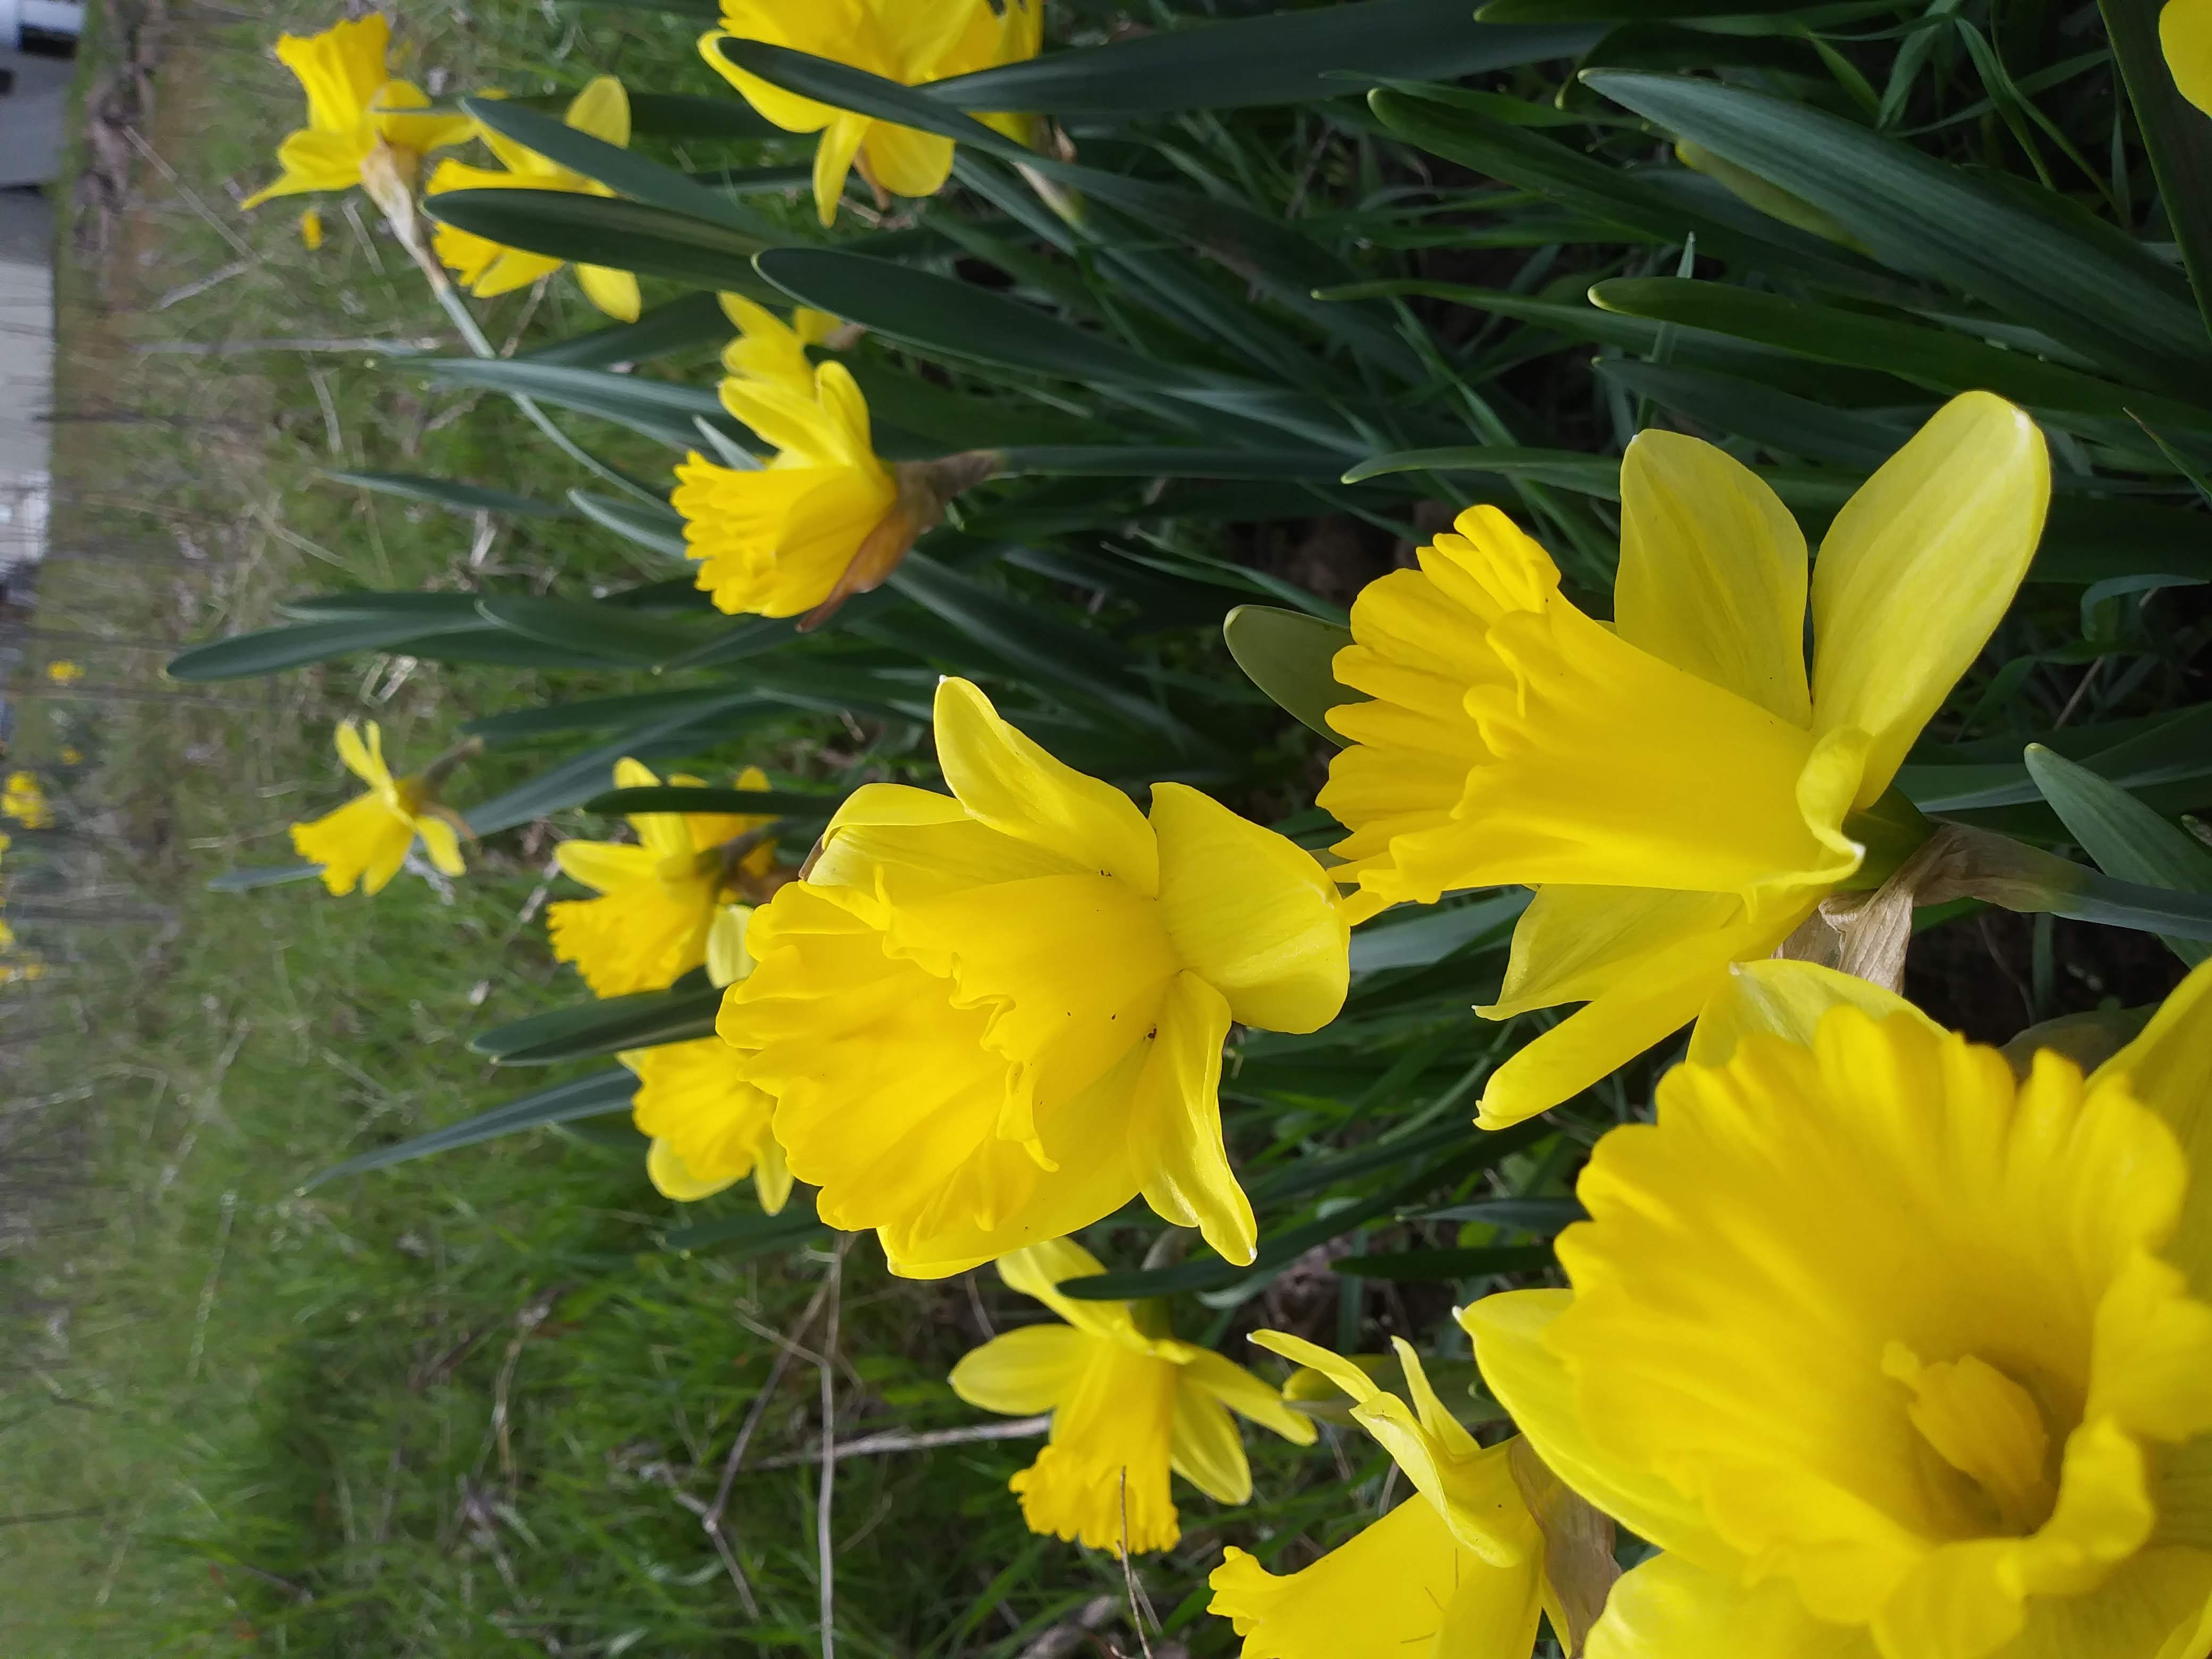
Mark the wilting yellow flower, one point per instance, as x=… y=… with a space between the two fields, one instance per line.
x=311 y=229
x=992 y=1018
x=1457 y=1571
x=1895 y=1357
x=366 y=841
x=768 y=348
x=710 y=1127
x=2185 y=29
x=353 y=105
x=25 y=801
x=1127 y=1402
x=779 y=540
x=64 y=673
x=1678 y=793
x=910 y=41
x=661 y=895
x=486 y=268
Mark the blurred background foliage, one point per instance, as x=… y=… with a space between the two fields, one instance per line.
x=1249 y=335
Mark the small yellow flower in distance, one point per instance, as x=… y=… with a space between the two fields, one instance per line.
x=910 y=41
x=353 y=105
x=64 y=673
x=70 y=756
x=768 y=348
x=1457 y=1571
x=1676 y=789
x=992 y=1018
x=22 y=970
x=311 y=229
x=1895 y=1355
x=25 y=800
x=709 y=1126
x=486 y=268
x=823 y=521
x=661 y=895
x=1127 y=1404
x=2184 y=30
x=365 y=841
x=6 y=841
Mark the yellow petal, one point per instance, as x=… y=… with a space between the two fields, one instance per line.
x=1176 y=1115
x=363 y=842
x=1669 y=1608
x=1250 y=912
x=1381 y=1594
x=1038 y=1271
x=1712 y=572
x=1023 y=1372
x=673 y=1178
x=340 y=69
x=1247 y=1395
x=602 y=109
x=1529 y=1382
x=614 y=292
x=1573 y=944
x=906 y=163
x=2184 y=30
x=605 y=866
x=771 y=1176
x=1006 y=781
x=1105 y=1477
x=443 y=844
x=364 y=759
x=1206 y=1448
x=1919 y=568
x=840 y=143
x=727 y=960
x=2168 y=1068
x=1784 y=998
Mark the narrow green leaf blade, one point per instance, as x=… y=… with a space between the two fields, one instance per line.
x=597 y=1095
x=455 y=493
x=2126 y=838
x=1288 y=655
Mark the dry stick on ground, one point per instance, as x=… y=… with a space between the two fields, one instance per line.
x=1137 y=1609
x=824 y=1548
x=899 y=1440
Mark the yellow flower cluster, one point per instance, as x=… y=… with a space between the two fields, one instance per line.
x=24 y=800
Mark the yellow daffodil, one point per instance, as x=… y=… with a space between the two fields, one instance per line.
x=992 y=1018
x=355 y=107
x=824 y=519
x=910 y=41
x=311 y=229
x=70 y=756
x=2184 y=30
x=486 y=268
x=24 y=801
x=771 y=350
x=1676 y=789
x=1894 y=1355
x=710 y=1127
x=365 y=841
x=1459 y=1571
x=64 y=673
x=1128 y=1403
x=659 y=897
x=21 y=971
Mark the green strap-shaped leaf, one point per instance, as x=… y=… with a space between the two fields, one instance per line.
x=692 y=798
x=1406 y=1265
x=606 y=230
x=598 y=714
x=639 y=177
x=275 y=875
x=584 y=775
x=597 y=1095
x=454 y=493
x=1288 y=58
x=1922 y=216
x=614 y=634
x=2175 y=750
x=1288 y=655
x=737 y=1238
x=2126 y=838
x=645 y=1020
x=661 y=409
x=682 y=325
x=1125 y=461
x=272 y=650
x=658 y=530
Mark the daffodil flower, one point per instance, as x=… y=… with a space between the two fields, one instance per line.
x=355 y=108
x=2185 y=31
x=825 y=520
x=486 y=268
x=24 y=800
x=1128 y=1404
x=1893 y=1355
x=991 y=1019
x=365 y=841
x=910 y=41
x=660 y=897
x=708 y=1127
x=62 y=672
x=768 y=348
x=1459 y=1571
x=1678 y=793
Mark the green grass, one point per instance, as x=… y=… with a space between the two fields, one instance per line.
x=453 y=1407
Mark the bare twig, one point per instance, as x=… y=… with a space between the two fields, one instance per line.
x=1138 y=1607
x=899 y=1440
x=824 y=1548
